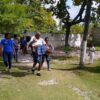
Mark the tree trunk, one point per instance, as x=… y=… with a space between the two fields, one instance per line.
x=85 y=34
x=67 y=35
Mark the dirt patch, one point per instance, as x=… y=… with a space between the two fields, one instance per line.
x=48 y=82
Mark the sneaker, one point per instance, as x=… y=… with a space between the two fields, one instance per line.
x=38 y=74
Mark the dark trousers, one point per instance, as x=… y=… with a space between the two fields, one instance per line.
x=7 y=58
x=16 y=54
x=47 y=58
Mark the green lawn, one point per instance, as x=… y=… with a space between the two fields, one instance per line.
x=73 y=84
x=97 y=48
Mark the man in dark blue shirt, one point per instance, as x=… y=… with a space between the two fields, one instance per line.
x=7 y=45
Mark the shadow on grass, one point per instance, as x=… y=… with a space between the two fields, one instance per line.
x=19 y=74
x=66 y=69
x=15 y=74
x=92 y=69
x=88 y=69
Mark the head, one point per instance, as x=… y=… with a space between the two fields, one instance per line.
x=15 y=36
x=91 y=45
x=37 y=35
x=46 y=39
x=7 y=35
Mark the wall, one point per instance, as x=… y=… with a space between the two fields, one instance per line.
x=96 y=36
x=58 y=40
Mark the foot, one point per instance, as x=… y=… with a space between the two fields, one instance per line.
x=49 y=69
x=38 y=74
x=33 y=71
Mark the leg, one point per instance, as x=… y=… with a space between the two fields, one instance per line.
x=16 y=56
x=40 y=57
x=34 y=62
x=5 y=59
x=48 y=61
x=48 y=64
x=40 y=62
x=10 y=59
x=91 y=59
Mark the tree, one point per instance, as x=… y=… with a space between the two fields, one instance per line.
x=12 y=16
x=85 y=34
x=19 y=15
x=42 y=20
x=77 y=29
x=61 y=12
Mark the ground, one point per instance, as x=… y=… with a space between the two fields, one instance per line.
x=64 y=82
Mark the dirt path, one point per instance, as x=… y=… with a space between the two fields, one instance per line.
x=27 y=61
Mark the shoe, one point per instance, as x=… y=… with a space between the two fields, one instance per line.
x=33 y=71
x=38 y=74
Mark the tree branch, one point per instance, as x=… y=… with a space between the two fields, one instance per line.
x=76 y=22
x=81 y=11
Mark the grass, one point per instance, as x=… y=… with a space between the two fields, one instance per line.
x=72 y=83
x=97 y=48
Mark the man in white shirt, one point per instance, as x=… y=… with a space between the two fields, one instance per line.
x=39 y=47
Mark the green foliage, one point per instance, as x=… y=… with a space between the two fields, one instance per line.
x=68 y=49
x=19 y=15
x=77 y=2
x=77 y=29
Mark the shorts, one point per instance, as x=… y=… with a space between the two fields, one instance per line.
x=38 y=58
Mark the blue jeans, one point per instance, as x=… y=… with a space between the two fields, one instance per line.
x=7 y=58
x=37 y=58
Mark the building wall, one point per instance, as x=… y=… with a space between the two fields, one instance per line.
x=58 y=40
x=96 y=35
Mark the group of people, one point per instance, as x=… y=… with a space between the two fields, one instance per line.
x=41 y=49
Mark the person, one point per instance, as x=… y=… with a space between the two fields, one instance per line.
x=39 y=46
x=7 y=44
x=23 y=45
x=16 y=47
x=49 y=49
x=30 y=45
x=91 y=53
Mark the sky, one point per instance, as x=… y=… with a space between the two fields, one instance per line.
x=73 y=10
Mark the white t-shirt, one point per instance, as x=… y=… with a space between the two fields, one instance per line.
x=38 y=42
